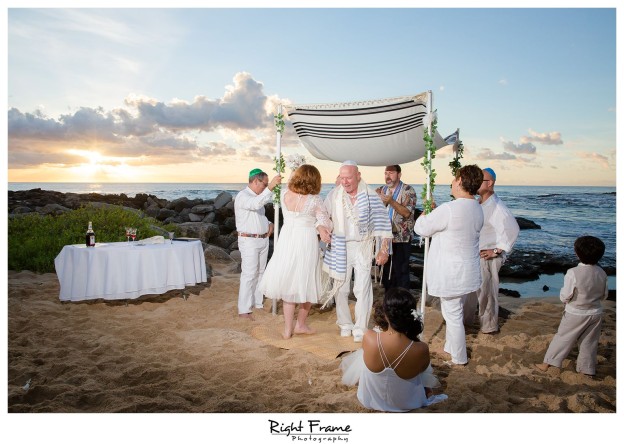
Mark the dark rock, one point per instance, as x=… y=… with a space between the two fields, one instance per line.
x=220 y=261
x=230 y=223
x=195 y=217
x=22 y=210
x=212 y=253
x=545 y=288
x=54 y=209
x=39 y=198
x=154 y=201
x=611 y=296
x=184 y=215
x=152 y=210
x=202 y=209
x=200 y=230
x=223 y=213
x=224 y=241
x=506 y=292
x=222 y=199
x=210 y=217
x=180 y=204
x=526 y=224
x=165 y=213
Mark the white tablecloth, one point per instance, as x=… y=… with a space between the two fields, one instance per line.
x=123 y=271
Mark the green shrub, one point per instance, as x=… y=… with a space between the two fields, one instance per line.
x=35 y=240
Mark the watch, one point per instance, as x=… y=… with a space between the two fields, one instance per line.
x=496 y=251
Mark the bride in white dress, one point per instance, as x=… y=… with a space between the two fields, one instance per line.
x=294 y=272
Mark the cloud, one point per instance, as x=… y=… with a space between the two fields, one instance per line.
x=524 y=148
x=488 y=154
x=256 y=154
x=241 y=107
x=601 y=160
x=147 y=128
x=503 y=82
x=552 y=138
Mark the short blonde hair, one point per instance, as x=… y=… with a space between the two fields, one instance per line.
x=305 y=180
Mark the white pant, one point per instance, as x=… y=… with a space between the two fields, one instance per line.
x=488 y=294
x=254 y=253
x=360 y=262
x=452 y=311
x=573 y=329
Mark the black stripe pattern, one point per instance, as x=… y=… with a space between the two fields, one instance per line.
x=358 y=123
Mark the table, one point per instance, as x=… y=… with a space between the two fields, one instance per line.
x=120 y=270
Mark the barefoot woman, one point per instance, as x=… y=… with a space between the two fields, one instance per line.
x=294 y=273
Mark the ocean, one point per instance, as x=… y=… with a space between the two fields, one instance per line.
x=563 y=212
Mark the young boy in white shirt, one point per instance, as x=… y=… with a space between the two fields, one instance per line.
x=584 y=287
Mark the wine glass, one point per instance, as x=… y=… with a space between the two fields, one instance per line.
x=128 y=234
x=133 y=233
x=171 y=233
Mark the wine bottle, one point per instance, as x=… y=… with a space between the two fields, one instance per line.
x=90 y=237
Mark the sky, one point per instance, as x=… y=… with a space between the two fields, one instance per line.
x=188 y=95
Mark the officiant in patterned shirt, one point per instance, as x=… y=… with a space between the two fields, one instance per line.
x=400 y=201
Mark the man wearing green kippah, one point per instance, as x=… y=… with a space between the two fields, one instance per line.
x=254 y=230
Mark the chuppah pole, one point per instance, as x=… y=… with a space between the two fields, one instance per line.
x=423 y=297
x=276 y=205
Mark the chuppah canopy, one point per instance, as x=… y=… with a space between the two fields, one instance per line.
x=372 y=133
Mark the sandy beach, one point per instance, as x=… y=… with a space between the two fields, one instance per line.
x=170 y=354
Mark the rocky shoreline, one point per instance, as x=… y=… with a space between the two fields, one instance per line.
x=212 y=221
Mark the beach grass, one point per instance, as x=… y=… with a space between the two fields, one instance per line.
x=35 y=240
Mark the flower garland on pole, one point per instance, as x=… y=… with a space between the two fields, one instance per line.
x=279 y=159
x=430 y=152
x=455 y=164
x=279 y=168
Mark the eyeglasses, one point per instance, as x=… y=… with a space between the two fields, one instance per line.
x=487 y=180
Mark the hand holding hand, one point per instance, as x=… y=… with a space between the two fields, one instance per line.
x=324 y=233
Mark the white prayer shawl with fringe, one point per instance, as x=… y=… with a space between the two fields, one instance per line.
x=373 y=132
x=372 y=223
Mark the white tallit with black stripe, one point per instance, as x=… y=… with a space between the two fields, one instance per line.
x=373 y=133
x=372 y=221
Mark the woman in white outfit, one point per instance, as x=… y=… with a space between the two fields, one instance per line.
x=393 y=365
x=453 y=270
x=294 y=272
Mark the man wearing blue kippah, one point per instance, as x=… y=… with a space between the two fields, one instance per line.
x=498 y=235
x=254 y=230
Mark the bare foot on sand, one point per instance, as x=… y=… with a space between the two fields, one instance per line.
x=542 y=367
x=287 y=334
x=305 y=330
x=246 y=316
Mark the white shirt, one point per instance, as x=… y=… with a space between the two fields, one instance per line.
x=584 y=287
x=453 y=267
x=249 y=211
x=500 y=229
x=352 y=233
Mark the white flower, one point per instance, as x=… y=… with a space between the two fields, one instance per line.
x=294 y=161
x=417 y=315
x=426 y=121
